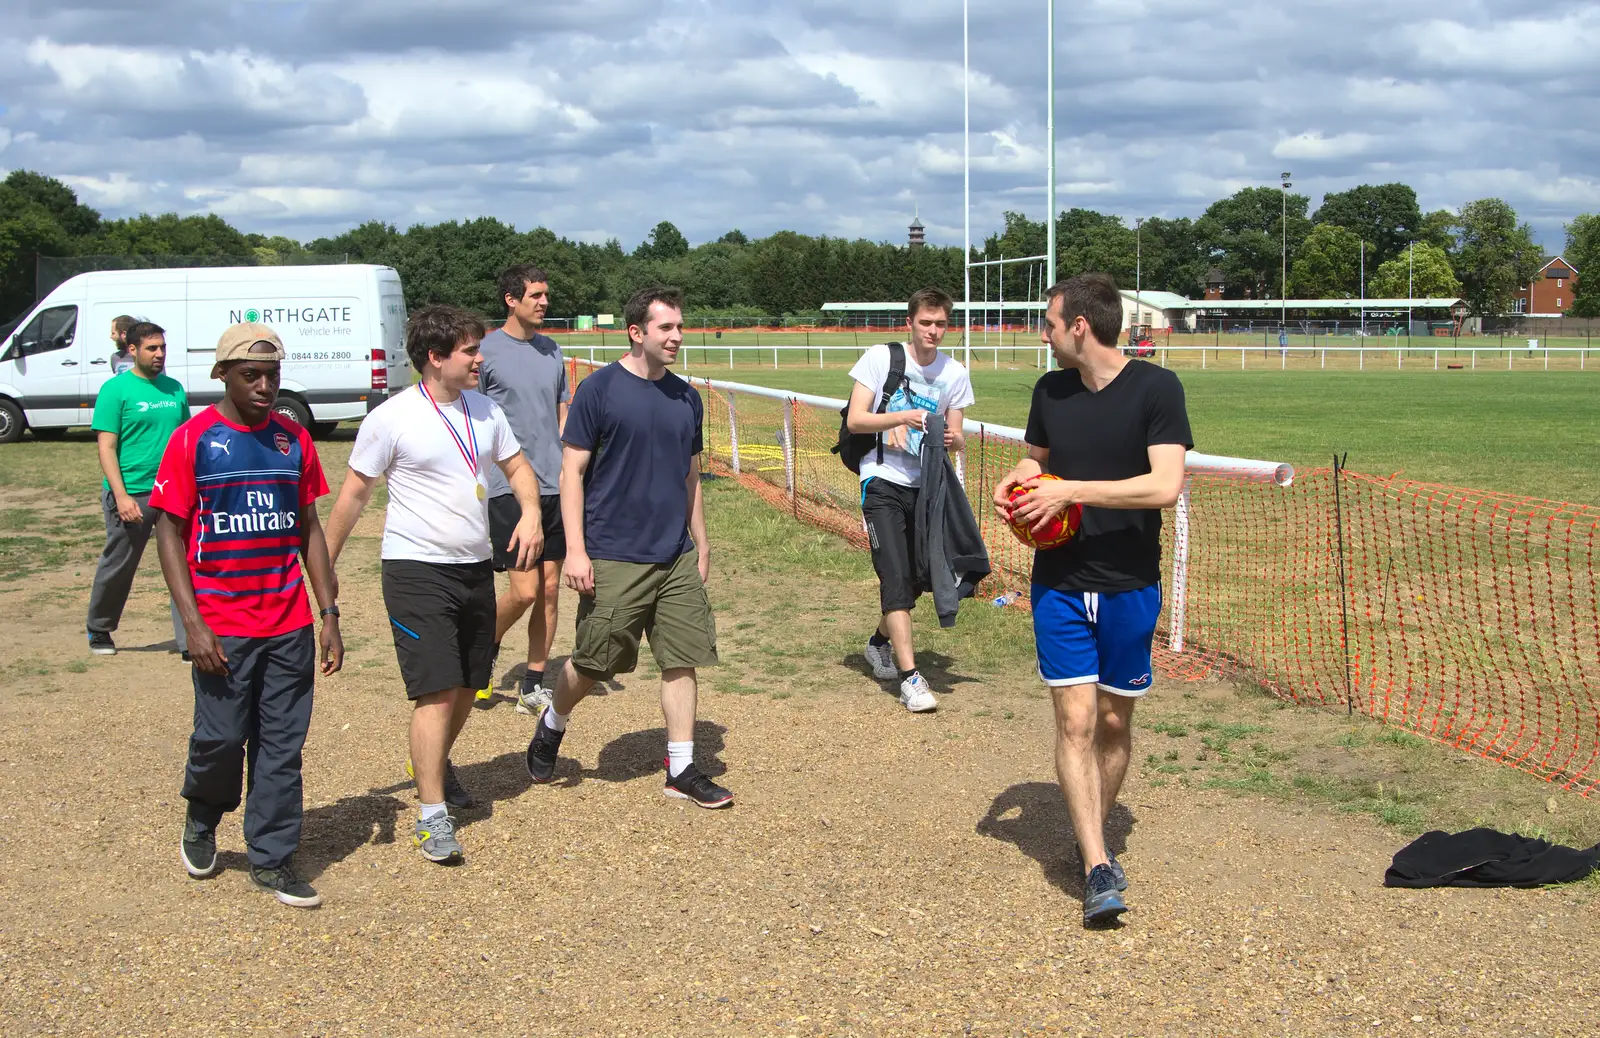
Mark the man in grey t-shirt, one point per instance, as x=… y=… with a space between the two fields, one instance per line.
x=526 y=375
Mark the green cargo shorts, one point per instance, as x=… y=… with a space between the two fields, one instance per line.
x=664 y=601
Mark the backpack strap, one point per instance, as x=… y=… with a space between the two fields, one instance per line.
x=897 y=376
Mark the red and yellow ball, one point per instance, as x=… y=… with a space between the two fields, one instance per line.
x=1057 y=531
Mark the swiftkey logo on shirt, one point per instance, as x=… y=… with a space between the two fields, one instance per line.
x=156 y=405
x=263 y=516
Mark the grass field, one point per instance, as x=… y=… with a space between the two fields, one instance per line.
x=1527 y=432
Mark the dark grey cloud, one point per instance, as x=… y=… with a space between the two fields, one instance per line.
x=836 y=116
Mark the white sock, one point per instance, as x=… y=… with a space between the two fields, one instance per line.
x=554 y=721
x=429 y=810
x=679 y=756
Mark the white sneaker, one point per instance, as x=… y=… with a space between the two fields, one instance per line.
x=534 y=702
x=881 y=659
x=915 y=695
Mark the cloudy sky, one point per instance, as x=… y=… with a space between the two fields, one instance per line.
x=600 y=117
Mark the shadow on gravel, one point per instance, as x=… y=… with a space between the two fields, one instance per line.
x=335 y=831
x=637 y=754
x=934 y=666
x=1033 y=816
x=170 y=646
x=509 y=684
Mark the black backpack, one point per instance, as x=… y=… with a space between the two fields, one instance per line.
x=852 y=448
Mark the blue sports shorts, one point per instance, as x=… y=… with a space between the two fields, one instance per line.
x=1096 y=637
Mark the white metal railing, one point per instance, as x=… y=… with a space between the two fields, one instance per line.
x=1210 y=356
x=1272 y=473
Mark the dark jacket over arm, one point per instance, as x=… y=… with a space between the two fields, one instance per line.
x=951 y=557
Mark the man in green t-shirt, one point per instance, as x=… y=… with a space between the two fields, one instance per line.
x=135 y=414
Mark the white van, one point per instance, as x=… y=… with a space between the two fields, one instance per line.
x=342 y=326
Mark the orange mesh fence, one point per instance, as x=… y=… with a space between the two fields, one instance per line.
x=1468 y=617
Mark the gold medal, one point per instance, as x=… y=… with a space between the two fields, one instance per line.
x=483 y=492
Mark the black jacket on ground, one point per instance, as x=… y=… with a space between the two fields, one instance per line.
x=951 y=556
x=1486 y=858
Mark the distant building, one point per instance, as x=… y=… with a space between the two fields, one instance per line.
x=1551 y=293
x=918 y=237
x=1215 y=283
x=1148 y=312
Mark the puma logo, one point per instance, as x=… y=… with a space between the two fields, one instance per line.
x=161 y=485
x=223 y=446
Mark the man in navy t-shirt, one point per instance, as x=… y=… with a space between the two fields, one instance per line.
x=636 y=539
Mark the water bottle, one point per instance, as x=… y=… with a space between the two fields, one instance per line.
x=1006 y=599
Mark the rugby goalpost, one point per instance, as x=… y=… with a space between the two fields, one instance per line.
x=1049 y=256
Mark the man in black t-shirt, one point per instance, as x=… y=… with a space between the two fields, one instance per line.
x=1114 y=430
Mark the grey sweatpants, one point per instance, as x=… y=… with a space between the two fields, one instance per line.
x=250 y=724
x=113 y=577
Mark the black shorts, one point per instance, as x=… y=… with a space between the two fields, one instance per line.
x=505 y=514
x=891 y=514
x=442 y=617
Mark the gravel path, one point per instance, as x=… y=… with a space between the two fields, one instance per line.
x=881 y=874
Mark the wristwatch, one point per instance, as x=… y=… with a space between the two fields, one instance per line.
x=331 y=610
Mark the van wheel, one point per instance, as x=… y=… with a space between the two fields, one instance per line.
x=292 y=409
x=10 y=421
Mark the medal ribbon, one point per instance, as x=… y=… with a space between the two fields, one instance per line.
x=472 y=437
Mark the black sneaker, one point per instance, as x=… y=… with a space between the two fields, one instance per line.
x=286 y=886
x=691 y=785
x=1117 y=873
x=185 y=657
x=1102 y=902
x=542 y=749
x=455 y=794
x=198 y=849
x=100 y=644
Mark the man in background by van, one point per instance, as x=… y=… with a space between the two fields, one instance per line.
x=135 y=414
x=122 y=358
x=526 y=375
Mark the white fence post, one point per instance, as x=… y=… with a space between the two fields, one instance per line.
x=733 y=429
x=788 y=447
x=1180 y=569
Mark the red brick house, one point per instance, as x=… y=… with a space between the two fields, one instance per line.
x=1551 y=294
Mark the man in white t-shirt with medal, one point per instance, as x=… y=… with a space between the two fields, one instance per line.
x=433 y=442
x=891 y=475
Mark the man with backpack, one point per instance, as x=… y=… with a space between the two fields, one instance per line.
x=897 y=386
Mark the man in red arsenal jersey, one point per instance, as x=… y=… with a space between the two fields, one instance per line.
x=237 y=491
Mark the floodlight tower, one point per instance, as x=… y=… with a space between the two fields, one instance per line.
x=1411 y=287
x=1138 y=276
x=966 y=193
x=1050 y=141
x=1050 y=154
x=1283 y=286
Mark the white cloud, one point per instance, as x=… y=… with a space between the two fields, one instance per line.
x=835 y=116
x=1315 y=147
x=1527 y=46
x=250 y=87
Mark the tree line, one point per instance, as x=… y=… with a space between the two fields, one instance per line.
x=1481 y=252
